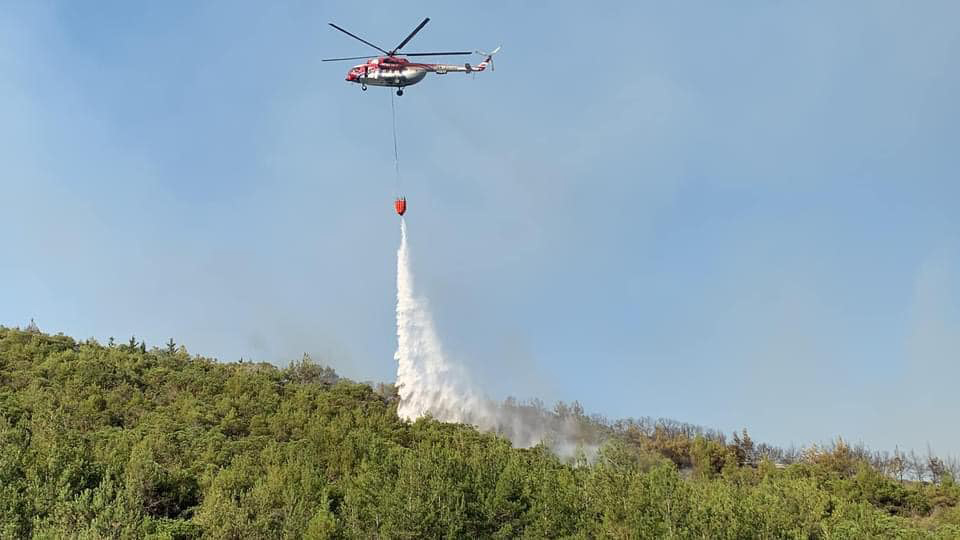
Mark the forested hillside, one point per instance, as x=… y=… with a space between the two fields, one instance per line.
x=122 y=441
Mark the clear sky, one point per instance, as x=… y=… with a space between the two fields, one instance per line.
x=734 y=214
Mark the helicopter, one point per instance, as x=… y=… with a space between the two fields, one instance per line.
x=394 y=70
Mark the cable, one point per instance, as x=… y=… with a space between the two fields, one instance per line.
x=396 y=153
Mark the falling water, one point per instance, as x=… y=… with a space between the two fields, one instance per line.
x=429 y=384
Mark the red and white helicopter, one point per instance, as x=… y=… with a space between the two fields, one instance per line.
x=396 y=71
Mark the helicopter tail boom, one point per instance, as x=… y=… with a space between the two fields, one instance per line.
x=440 y=69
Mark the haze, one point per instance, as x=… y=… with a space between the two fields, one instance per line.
x=732 y=216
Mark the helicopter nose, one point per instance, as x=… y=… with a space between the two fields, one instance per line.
x=351 y=76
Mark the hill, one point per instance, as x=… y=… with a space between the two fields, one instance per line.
x=118 y=441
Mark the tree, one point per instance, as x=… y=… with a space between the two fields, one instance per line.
x=710 y=456
x=916 y=465
x=306 y=371
x=953 y=467
x=935 y=466
x=743 y=449
x=897 y=465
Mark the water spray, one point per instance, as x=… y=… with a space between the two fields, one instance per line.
x=430 y=385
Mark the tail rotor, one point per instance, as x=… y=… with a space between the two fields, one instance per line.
x=489 y=55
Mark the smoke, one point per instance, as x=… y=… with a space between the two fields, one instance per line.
x=430 y=385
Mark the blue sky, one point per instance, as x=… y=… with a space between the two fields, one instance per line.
x=737 y=215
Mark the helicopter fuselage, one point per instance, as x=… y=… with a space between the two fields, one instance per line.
x=387 y=74
x=399 y=72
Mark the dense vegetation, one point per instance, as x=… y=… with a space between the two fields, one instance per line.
x=124 y=442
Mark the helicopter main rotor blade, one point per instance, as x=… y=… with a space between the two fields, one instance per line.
x=435 y=53
x=348 y=58
x=404 y=42
x=360 y=39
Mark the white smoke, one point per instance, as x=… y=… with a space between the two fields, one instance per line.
x=428 y=384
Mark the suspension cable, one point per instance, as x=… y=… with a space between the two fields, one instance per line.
x=396 y=153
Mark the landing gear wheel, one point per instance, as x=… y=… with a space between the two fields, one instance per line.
x=399 y=91
x=363 y=87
